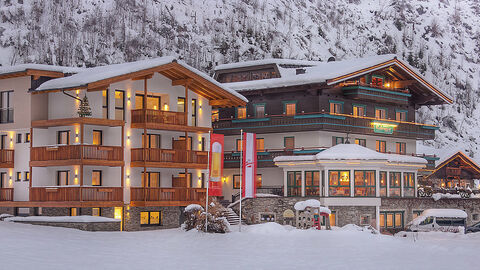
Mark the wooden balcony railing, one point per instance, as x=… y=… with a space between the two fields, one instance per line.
x=7 y=158
x=167 y=194
x=170 y=156
x=69 y=194
x=451 y=171
x=158 y=117
x=343 y=123
x=76 y=152
x=6 y=194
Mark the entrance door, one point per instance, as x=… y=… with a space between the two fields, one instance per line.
x=3 y=141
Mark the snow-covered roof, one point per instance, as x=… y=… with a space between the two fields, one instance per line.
x=24 y=67
x=444 y=213
x=268 y=61
x=301 y=205
x=323 y=72
x=353 y=152
x=91 y=75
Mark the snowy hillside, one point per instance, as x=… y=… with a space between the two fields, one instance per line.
x=439 y=37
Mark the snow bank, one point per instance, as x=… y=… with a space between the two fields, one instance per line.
x=438 y=196
x=193 y=207
x=269 y=228
x=3 y=216
x=62 y=219
x=300 y=206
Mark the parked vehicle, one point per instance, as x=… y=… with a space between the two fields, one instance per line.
x=473 y=228
x=446 y=220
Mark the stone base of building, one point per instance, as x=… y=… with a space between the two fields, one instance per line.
x=84 y=226
x=170 y=217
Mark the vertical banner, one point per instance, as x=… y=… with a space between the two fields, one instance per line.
x=216 y=165
x=249 y=166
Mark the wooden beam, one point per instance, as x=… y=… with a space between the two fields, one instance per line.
x=44 y=73
x=219 y=102
x=146 y=77
x=182 y=81
x=402 y=84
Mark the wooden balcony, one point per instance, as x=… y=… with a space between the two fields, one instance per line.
x=265 y=158
x=7 y=158
x=68 y=195
x=329 y=122
x=166 y=196
x=166 y=158
x=65 y=155
x=374 y=93
x=163 y=120
x=6 y=194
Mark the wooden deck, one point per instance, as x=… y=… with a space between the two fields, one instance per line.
x=76 y=155
x=163 y=120
x=168 y=158
x=7 y=157
x=166 y=196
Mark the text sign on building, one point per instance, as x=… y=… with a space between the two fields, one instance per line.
x=383 y=128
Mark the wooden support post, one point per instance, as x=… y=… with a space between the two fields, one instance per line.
x=122 y=179
x=186 y=105
x=81 y=160
x=144 y=144
x=31 y=170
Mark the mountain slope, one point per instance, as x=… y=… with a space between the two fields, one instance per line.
x=441 y=38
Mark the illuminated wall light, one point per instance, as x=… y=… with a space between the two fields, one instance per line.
x=165 y=107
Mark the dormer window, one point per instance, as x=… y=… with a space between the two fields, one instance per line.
x=241 y=112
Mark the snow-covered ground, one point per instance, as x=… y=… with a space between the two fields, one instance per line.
x=266 y=246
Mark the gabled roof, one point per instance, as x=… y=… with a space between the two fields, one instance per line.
x=36 y=70
x=333 y=72
x=178 y=71
x=474 y=168
x=354 y=152
x=268 y=61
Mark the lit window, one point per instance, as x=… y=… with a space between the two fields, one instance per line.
x=119 y=105
x=358 y=110
x=339 y=182
x=401 y=116
x=409 y=184
x=333 y=219
x=27 y=137
x=105 y=104
x=290 y=109
x=241 y=112
x=364 y=184
x=97 y=137
x=181 y=104
x=239 y=145
x=260 y=145
x=336 y=107
x=312 y=183
x=377 y=81
x=96 y=178
x=259 y=180
x=96 y=212
x=294 y=183
x=380 y=113
x=381 y=146
x=215 y=115
x=395 y=179
x=27 y=176
x=383 y=184
x=401 y=148
x=150 y=218
x=118 y=213
x=236 y=181
x=73 y=212
x=362 y=142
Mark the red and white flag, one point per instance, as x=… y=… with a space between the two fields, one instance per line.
x=249 y=166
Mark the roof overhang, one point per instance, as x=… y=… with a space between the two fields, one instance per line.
x=32 y=72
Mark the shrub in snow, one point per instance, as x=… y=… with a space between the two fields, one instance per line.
x=217 y=222
x=192 y=215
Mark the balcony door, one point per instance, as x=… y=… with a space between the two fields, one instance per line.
x=3 y=180
x=63 y=137
x=63 y=178
x=153 y=141
x=153 y=102
x=180 y=144
x=97 y=137
x=181 y=181
x=152 y=180
x=3 y=142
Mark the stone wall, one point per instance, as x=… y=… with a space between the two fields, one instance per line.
x=352 y=215
x=171 y=217
x=7 y=210
x=408 y=205
x=84 y=226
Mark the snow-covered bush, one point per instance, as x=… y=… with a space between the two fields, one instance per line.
x=195 y=217
x=192 y=214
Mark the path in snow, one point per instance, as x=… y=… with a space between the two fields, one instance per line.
x=266 y=246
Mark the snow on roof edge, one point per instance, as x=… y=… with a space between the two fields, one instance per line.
x=266 y=61
x=24 y=67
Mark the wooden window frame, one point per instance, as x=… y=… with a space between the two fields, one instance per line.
x=148 y=178
x=149 y=96
x=399 y=146
x=295 y=186
x=378 y=144
x=406 y=186
x=101 y=136
x=385 y=213
x=60 y=132
x=236 y=112
x=381 y=108
x=67 y=178
x=260 y=105
x=152 y=135
x=9 y=110
x=99 y=211
x=285 y=142
x=359 y=106
x=122 y=108
x=335 y=102
x=374 y=186
x=285 y=103
x=401 y=111
x=160 y=217
x=236 y=186
x=100 y=179
x=330 y=186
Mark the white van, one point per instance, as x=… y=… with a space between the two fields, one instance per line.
x=445 y=220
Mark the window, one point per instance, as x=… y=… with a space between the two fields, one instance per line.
x=215 y=115
x=241 y=112
x=19 y=137
x=409 y=184
x=336 y=107
x=290 y=108
x=19 y=177
x=27 y=176
x=3 y=141
x=27 y=137
x=62 y=178
x=417 y=213
x=383 y=184
x=259 y=180
x=96 y=178
x=181 y=104
x=395 y=184
x=194 y=112
x=289 y=143
x=73 y=212
x=150 y=218
x=337 y=140
x=153 y=179
x=63 y=137
x=333 y=218
x=203 y=181
x=6 y=107
x=401 y=115
x=339 y=182
x=377 y=80
x=97 y=137
x=401 y=148
x=391 y=220
x=119 y=105
x=188 y=144
x=259 y=110
x=153 y=102
x=365 y=184
x=294 y=183
x=380 y=113
x=105 y=112
x=96 y=212
x=153 y=141
x=365 y=220
x=236 y=181
x=312 y=183
x=260 y=145
x=362 y=142
x=381 y=146
x=239 y=145
x=359 y=110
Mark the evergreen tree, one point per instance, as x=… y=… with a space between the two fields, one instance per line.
x=84 y=108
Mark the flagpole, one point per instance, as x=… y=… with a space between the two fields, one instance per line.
x=241 y=182
x=208 y=180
